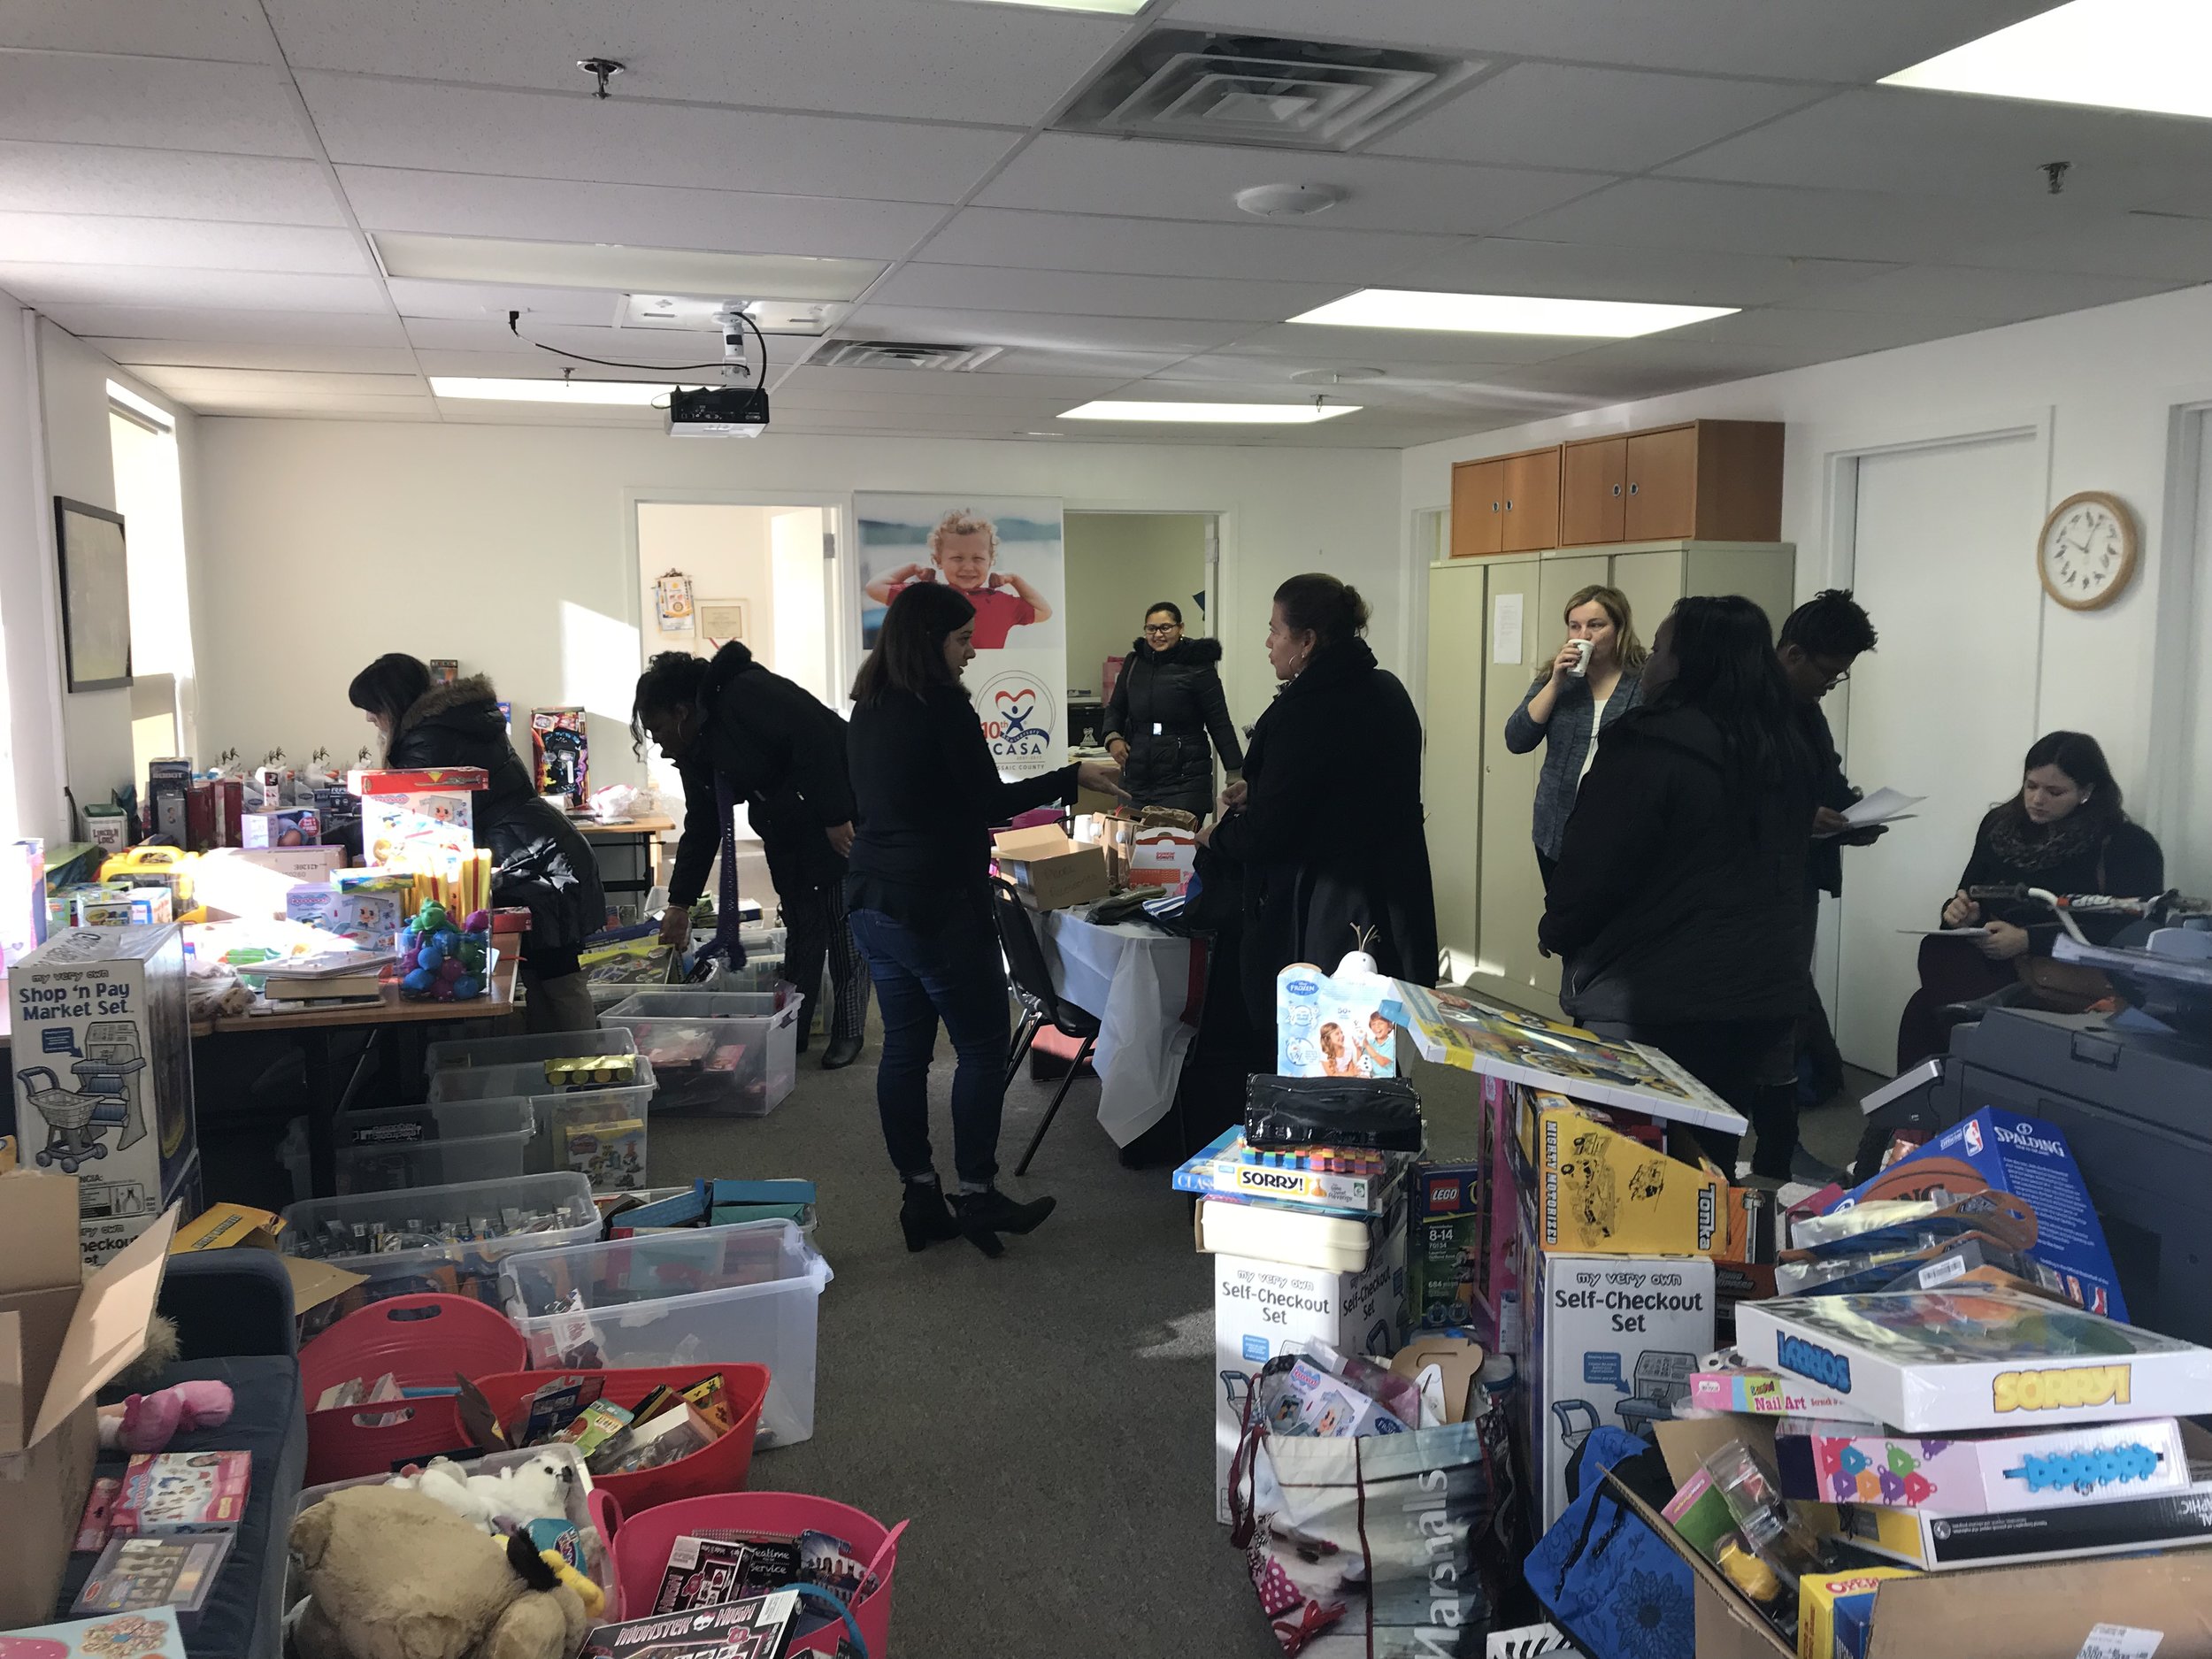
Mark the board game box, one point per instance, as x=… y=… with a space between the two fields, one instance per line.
x=1928 y=1362
x=152 y=1635
x=1844 y=1463
x=166 y=1492
x=135 y=1574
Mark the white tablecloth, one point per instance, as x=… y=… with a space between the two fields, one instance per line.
x=1137 y=981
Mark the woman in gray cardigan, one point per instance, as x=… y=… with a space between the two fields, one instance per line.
x=1596 y=677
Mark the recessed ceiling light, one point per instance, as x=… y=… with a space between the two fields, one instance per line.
x=1114 y=8
x=2114 y=54
x=1505 y=314
x=1288 y=201
x=1220 y=414
x=673 y=271
x=633 y=393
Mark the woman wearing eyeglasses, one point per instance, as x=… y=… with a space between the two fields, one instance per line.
x=1168 y=699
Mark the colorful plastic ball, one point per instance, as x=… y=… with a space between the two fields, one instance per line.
x=409 y=960
x=450 y=970
x=432 y=916
x=417 y=982
x=478 y=921
x=431 y=958
x=442 y=991
x=467 y=985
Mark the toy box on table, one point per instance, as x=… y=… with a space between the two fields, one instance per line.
x=1261 y=1308
x=560 y=752
x=1931 y=1362
x=416 y=820
x=287 y=826
x=103 y=1064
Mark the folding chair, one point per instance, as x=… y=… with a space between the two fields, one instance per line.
x=1041 y=1005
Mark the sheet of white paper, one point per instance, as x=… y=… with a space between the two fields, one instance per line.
x=1945 y=933
x=1879 y=806
x=1505 y=628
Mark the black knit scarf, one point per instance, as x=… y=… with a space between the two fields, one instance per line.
x=2028 y=847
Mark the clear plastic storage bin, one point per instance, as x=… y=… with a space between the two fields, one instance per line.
x=442 y=1239
x=438 y=1145
x=553 y=1045
x=618 y=1159
x=724 y=1051
x=724 y=1295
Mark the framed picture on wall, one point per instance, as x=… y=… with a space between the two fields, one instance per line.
x=95 y=596
x=722 y=620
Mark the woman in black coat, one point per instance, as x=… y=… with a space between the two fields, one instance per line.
x=1678 y=899
x=540 y=859
x=1168 y=699
x=1327 y=828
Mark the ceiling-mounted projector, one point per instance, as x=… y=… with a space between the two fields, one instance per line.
x=718 y=411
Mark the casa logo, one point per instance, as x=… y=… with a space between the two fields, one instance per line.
x=1018 y=715
x=2068 y=1389
x=1810 y=1359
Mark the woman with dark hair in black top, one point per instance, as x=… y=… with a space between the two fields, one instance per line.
x=2067 y=832
x=928 y=796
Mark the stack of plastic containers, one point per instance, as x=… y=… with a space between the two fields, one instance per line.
x=735 y=1052
x=577 y=1124
x=555 y=1045
x=437 y=1145
x=741 y=1294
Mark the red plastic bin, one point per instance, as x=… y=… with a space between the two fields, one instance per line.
x=640 y=1544
x=719 y=1468
x=423 y=1341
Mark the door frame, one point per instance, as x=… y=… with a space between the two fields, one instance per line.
x=2184 y=616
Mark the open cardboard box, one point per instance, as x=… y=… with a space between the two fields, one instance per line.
x=1051 y=871
x=63 y=1337
x=228 y=1227
x=2040 y=1611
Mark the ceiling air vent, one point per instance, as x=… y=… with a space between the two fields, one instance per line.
x=1203 y=87
x=900 y=353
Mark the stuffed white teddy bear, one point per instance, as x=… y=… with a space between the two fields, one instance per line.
x=534 y=1491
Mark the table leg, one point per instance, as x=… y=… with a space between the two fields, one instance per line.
x=322 y=1112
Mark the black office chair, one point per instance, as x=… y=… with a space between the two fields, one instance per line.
x=1041 y=1005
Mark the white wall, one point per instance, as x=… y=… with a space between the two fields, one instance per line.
x=327 y=542
x=2100 y=390
x=1118 y=565
x=725 y=551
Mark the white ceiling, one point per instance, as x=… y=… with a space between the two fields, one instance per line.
x=194 y=184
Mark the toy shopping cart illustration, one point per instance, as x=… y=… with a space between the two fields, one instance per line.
x=106 y=1097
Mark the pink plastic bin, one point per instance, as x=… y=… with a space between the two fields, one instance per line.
x=423 y=1341
x=640 y=1544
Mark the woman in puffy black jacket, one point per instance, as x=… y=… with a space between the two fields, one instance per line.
x=1167 y=698
x=539 y=858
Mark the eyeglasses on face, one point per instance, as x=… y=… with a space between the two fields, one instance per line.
x=1162 y=627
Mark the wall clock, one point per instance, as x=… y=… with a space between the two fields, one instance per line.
x=2086 y=553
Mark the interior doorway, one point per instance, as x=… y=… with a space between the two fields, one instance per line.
x=1118 y=564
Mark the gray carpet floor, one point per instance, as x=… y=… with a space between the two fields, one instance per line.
x=1044 y=1421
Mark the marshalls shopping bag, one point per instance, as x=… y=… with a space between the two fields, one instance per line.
x=1375 y=1547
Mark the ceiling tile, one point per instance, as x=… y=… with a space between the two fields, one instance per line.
x=1076 y=173
x=1611 y=120
x=1152 y=247
x=545 y=136
x=156 y=184
x=1836 y=333
x=543 y=365
x=1253 y=369
x=1815 y=40
x=230 y=29
x=235 y=354
x=490 y=301
x=1682 y=276
x=1113 y=295
x=1400 y=345
x=1040 y=331
x=226 y=327
x=159 y=104
x=549 y=210
x=51 y=285
x=217 y=383
x=1989 y=297
x=188 y=244
x=972 y=387
x=1007 y=66
x=1992 y=150
x=318 y=406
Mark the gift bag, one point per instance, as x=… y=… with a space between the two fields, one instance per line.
x=1371 y=1547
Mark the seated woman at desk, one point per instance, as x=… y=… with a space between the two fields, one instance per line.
x=2067 y=833
x=541 y=860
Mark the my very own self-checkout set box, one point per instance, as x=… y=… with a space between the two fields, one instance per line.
x=103 y=1064
x=1261 y=1308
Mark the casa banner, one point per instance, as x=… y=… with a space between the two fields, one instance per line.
x=1005 y=555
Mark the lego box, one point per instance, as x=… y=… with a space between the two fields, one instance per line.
x=1261 y=1308
x=103 y=1064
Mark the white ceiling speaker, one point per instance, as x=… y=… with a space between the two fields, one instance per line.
x=1288 y=201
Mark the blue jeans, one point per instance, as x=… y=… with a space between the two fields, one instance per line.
x=955 y=974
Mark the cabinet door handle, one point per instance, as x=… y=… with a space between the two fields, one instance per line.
x=1493 y=506
x=1631 y=489
x=1616 y=490
x=1509 y=506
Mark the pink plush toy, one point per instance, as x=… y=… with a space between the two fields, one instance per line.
x=147 y=1422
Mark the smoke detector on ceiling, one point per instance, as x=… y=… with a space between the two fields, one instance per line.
x=1288 y=201
x=1203 y=86
x=901 y=354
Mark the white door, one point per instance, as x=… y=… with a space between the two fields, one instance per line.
x=1944 y=708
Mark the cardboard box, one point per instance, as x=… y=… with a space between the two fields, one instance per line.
x=285 y=826
x=230 y=811
x=560 y=753
x=1768 y=1394
x=107 y=828
x=1261 y=1308
x=1116 y=835
x=1052 y=871
x=22 y=900
x=103 y=1064
x=63 y=1337
x=2002 y=1151
x=239 y=1226
x=1327 y=1025
x=167 y=810
x=1821 y=1599
x=233 y=882
x=2060 y=1469
x=1936 y=1361
x=199 y=815
x=1613 y=1339
x=1498 y=1286
x=2046 y=1610
x=1599 y=1192
x=1164 y=855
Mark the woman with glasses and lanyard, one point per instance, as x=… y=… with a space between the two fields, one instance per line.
x=1168 y=699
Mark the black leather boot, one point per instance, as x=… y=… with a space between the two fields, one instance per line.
x=924 y=1216
x=983 y=1215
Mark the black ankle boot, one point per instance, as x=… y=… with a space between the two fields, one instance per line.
x=983 y=1215
x=924 y=1216
x=841 y=1052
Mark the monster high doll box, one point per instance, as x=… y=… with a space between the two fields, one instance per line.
x=172 y=1493
x=102 y=1059
x=1933 y=1362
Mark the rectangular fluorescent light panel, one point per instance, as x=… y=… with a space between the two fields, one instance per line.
x=627 y=270
x=633 y=393
x=2145 y=55
x=1216 y=414
x=1505 y=314
x=1112 y=8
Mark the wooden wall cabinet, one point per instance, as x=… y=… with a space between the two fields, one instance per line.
x=1506 y=503
x=1477 y=509
x=1593 y=492
x=1707 y=480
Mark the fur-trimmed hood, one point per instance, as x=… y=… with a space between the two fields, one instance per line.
x=458 y=693
x=1193 y=649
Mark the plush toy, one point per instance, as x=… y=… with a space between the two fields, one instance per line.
x=517 y=1495
x=393 y=1574
x=147 y=1422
